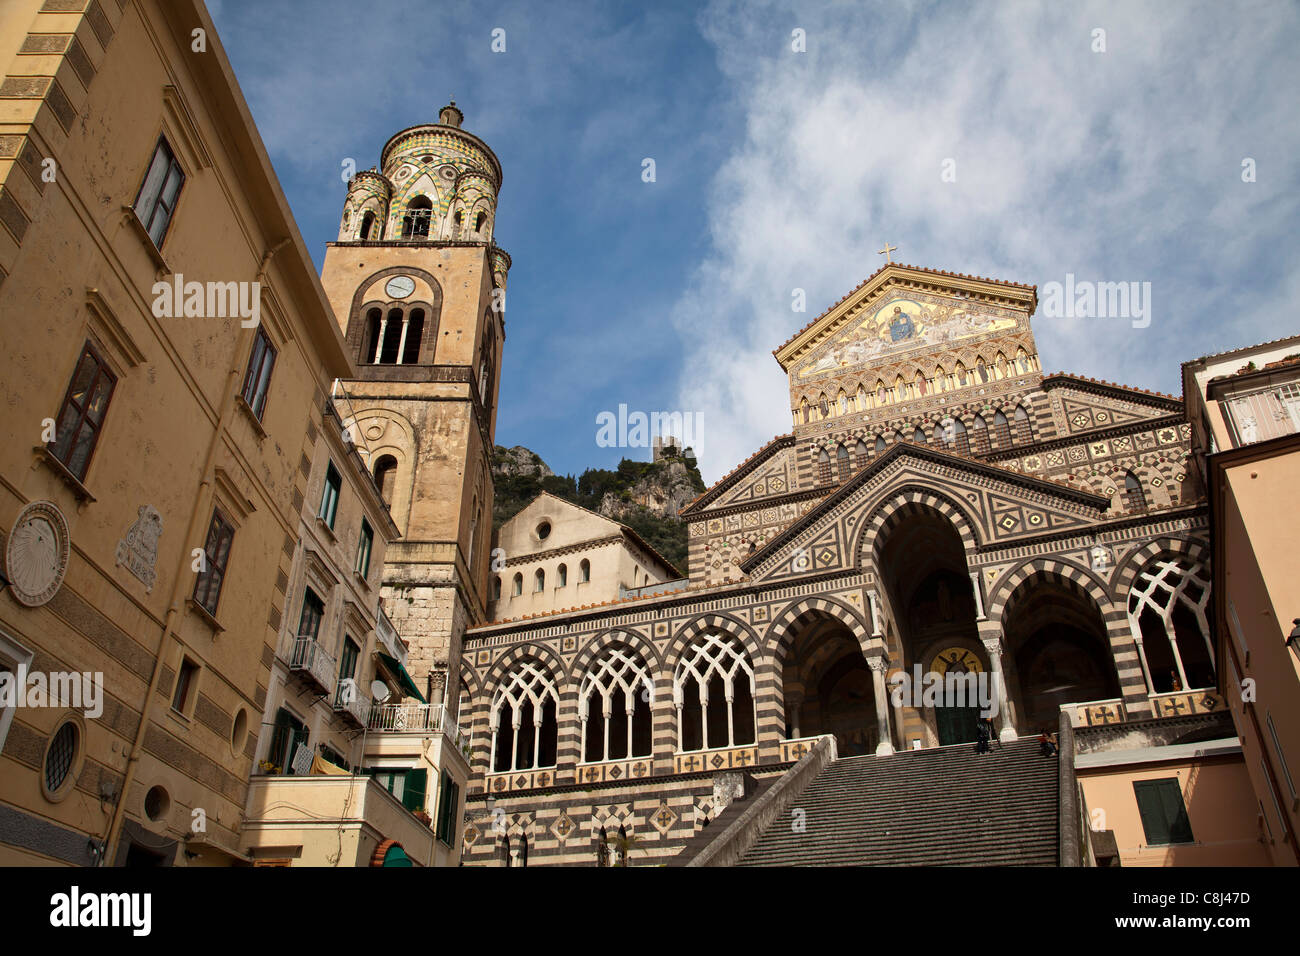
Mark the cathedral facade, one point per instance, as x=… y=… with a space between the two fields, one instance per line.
x=939 y=506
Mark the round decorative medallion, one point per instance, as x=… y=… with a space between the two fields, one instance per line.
x=399 y=287
x=447 y=172
x=959 y=660
x=36 y=555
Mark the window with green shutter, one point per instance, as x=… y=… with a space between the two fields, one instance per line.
x=448 y=804
x=1164 y=815
x=417 y=784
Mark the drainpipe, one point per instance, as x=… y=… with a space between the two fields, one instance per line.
x=201 y=500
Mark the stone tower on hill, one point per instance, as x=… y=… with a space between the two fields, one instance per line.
x=418 y=286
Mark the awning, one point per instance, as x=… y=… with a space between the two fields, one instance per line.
x=403 y=678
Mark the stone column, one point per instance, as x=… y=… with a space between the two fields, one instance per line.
x=979 y=596
x=379 y=340
x=401 y=345
x=878 y=664
x=993 y=647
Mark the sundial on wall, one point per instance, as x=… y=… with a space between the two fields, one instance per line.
x=36 y=554
x=399 y=287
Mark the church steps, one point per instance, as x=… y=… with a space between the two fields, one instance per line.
x=941 y=807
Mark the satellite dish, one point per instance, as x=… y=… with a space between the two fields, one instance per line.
x=379 y=691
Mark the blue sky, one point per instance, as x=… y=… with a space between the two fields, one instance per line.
x=779 y=170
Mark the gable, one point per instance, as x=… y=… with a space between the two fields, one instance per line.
x=1078 y=409
x=570 y=525
x=774 y=477
x=991 y=507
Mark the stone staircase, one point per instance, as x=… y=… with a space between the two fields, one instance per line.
x=947 y=806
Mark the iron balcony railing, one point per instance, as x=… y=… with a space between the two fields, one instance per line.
x=1265 y=413
x=310 y=660
x=411 y=716
x=350 y=701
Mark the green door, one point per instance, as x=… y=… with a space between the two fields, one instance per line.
x=957 y=725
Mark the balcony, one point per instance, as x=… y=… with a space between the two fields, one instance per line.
x=352 y=703
x=412 y=717
x=1265 y=413
x=310 y=661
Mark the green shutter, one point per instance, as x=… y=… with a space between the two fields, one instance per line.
x=1164 y=815
x=417 y=784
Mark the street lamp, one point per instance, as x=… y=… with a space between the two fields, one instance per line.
x=1293 y=640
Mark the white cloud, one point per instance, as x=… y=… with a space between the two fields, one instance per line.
x=1123 y=165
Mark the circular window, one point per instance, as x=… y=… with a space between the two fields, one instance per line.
x=238 y=735
x=544 y=530
x=59 y=759
x=156 y=803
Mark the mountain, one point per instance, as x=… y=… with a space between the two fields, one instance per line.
x=643 y=495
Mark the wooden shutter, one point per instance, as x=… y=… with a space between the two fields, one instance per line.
x=417 y=784
x=1164 y=816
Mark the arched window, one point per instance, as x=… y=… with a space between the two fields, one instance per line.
x=539 y=580
x=518 y=587
x=1135 y=499
x=478 y=222
x=496 y=587
x=459 y=218
x=1167 y=613
x=487 y=362
x=713 y=691
x=1024 y=434
x=367 y=224
x=860 y=455
x=880 y=444
x=602 y=849
x=919 y=436
x=954 y=429
x=522 y=719
x=374 y=334
x=391 y=331
x=386 y=477
x=899 y=438
x=842 y=462
x=1002 y=429
x=824 y=467
x=584 y=571
x=410 y=344
x=415 y=224
x=980 y=435
x=562 y=575
x=614 y=705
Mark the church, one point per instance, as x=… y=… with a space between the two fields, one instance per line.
x=938 y=505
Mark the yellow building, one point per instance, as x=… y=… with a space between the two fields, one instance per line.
x=1244 y=407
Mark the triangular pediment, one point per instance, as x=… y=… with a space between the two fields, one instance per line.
x=900 y=309
x=996 y=506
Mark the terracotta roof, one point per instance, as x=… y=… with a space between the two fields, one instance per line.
x=1102 y=381
x=735 y=472
x=901 y=265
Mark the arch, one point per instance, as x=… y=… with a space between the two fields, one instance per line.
x=979 y=431
x=562 y=575
x=584 y=571
x=842 y=462
x=1167 y=606
x=881 y=447
x=539 y=581
x=618 y=635
x=620 y=680
x=780 y=633
x=1024 y=432
x=908 y=500
x=356 y=326
x=385 y=474
x=417 y=218
x=367 y=224
x=517 y=584
x=1134 y=494
x=715 y=662
x=529 y=694
x=1071 y=574
x=1001 y=429
x=696 y=626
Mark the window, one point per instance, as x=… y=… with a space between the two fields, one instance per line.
x=1281 y=757
x=158 y=194
x=478 y=222
x=334 y=757
x=258 y=378
x=415 y=224
x=824 y=467
x=880 y=444
x=1002 y=429
x=184 y=684
x=82 y=415
x=313 y=611
x=1135 y=499
x=1168 y=613
x=584 y=571
x=496 y=588
x=12 y=655
x=1024 y=434
x=386 y=477
x=448 y=808
x=919 y=437
x=329 y=499
x=522 y=719
x=367 y=223
x=367 y=541
x=860 y=455
x=614 y=706
x=980 y=432
x=842 y=462
x=1164 y=816
x=348 y=665
x=713 y=691
x=960 y=440
x=288 y=734
x=518 y=588
x=562 y=575
x=539 y=580
x=216 y=555
x=60 y=757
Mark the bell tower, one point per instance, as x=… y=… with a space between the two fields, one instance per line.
x=418 y=287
